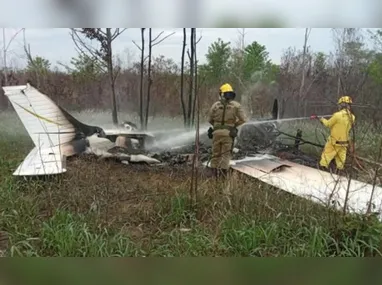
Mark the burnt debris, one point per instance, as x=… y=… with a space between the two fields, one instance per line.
x=253 y=139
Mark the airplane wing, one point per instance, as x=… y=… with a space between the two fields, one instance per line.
x=42 y=162
x=313 y=184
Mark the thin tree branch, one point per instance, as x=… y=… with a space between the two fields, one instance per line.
x=81 y=45
x=102 y=32
x=79 y=42
x=154 y=44
x=117 y=33
x=161 y=33
x=137 y=45
x=199 y=39
x=66 y=66
x=12 y=38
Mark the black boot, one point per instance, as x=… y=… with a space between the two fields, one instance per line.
x=322 y=168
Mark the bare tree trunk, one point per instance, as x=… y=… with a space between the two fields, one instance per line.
x=182 y=78
x=111 y=75
x=142 y=70
x=103 y=55
x=191 y=79
x=5 y=65
x=152 y=42
x=149 y=81
x=196 y=104
x=5 y=60
x=195 y=78
x=244 y=95
x=242 y=39
x=195 y=159
x=301 y=91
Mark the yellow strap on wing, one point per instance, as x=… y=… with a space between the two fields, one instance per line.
x=38 y=116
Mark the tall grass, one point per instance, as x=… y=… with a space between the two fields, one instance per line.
x=101 y=208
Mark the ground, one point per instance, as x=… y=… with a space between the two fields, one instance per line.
x=103 y=208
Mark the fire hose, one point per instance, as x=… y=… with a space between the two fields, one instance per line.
x=351 y=152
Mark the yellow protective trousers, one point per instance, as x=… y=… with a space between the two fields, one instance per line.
x=221 y=149
x=334 y=151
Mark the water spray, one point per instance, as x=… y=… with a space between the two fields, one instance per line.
x=183 y=138
x=281 y=120
x=180 y=137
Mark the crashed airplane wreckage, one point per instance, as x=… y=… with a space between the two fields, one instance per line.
x=57 y=135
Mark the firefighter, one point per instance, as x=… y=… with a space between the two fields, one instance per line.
x=225 y=116
x=338 y=141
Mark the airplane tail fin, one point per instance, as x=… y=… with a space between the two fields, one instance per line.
x=45 y=123
x=53 y=131
x=42 y=162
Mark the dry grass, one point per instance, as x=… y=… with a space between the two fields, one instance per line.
x=102 y=208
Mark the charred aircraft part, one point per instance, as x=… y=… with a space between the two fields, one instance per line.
x=129 y=125
x=297 y=140
x=262 y=134
x=82 y=129
x=275 y=110
x=133 y=142
x=136 y=143
x=257 y=136
x=57 y=135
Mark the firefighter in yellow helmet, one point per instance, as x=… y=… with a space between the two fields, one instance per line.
x=225 y=116
x=338 y=142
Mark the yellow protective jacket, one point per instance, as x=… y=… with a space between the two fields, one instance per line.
x=339 y=124
x=234 y=114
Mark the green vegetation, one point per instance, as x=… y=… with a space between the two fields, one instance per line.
x=100 y=208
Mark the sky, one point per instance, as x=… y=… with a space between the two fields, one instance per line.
x=44 y=19
x=56 y=45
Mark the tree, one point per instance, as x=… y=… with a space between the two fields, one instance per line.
x=195 y=80
x=375 y=68
x=192 y=79
x=5 y=50
x=149 y=79
x=192 y=76
x=255 y=59
x=152 y=42
x=85 y=68
x=216 y=69
x=303 y=67
x=236 y=63
x=319 y=64
x=249 y=66
x=165 y=84
x=351 y=60
x=141 y=78
x=102 y=55
x=38 y=65
x=182 y=77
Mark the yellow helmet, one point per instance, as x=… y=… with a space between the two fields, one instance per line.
x=225 y=88
x=345 y=99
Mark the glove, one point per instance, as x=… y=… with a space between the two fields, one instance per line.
x=313 y=117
